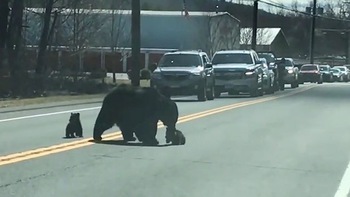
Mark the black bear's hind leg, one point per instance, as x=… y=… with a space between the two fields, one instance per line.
x=80 y=132
x=150 y=131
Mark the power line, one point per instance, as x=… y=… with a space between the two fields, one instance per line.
x=300 y=12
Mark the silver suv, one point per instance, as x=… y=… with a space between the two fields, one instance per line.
x=238 y=71
x=185 y=73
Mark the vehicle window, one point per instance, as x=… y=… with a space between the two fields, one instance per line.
x=323 y=68
x=256 y=57
x=232 y=58
x=286 y=63
x=335 y=70
x=269 y=58
x=341 y=68
x=306 y=68
x=208 y=60
x=204 y=59
x=180 y=60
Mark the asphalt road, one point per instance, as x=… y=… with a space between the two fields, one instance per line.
x=293 y=143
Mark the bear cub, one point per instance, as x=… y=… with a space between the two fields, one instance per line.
x=177 y=139
x=74 y=128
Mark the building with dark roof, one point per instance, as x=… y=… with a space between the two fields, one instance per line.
x=267 y=39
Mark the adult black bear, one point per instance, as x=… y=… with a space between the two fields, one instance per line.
x=137 y=109
x=74 y=127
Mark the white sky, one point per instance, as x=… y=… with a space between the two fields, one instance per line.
x=302 y=4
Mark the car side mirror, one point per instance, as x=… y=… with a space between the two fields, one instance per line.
x=209 y=65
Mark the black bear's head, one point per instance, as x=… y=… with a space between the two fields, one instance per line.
x=74 y=117
x=179 y=138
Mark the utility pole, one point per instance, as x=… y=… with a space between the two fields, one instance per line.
x=255 y=24
x=135 y=42
x=312 y=40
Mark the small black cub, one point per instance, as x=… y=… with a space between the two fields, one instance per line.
x=177 y=139
x=74 y=128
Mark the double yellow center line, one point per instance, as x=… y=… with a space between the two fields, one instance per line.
x=40 y=152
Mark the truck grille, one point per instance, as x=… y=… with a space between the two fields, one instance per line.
x=229 y=75
x=176 y=77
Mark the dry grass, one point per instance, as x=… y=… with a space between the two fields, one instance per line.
x=52 y=99
x=49 y=99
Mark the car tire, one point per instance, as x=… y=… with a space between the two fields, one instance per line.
x=202 y=93
x=211 y=94
x=270 y=90
x=261 y=92
x=217 y=94
x=294 y=84
x=320 y=81
x=254 y=92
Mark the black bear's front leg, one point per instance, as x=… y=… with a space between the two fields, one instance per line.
x=148 y=132
x=127 y=134
x=169 y=134
x=69 y=134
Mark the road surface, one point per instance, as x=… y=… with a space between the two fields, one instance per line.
x=293 y=143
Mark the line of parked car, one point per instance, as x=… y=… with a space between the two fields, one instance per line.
x=234 y=72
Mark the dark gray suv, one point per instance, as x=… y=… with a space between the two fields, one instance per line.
x=238 y=71
x=185 y=73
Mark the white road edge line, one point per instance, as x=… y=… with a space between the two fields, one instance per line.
x=49 y=114
x=64 y=112
x=344 y=186
x=61 y=112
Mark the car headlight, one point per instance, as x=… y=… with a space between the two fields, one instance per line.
x=197 y=73
x=290 y=71
x=249 y=73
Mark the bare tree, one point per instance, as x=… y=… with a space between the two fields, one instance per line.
x=281 y=11
x=246 y=36
x=79 y=29
x=224 y=33
x=329 y=9
x=44 y=38
x=117 y=28
x=342 y=9
x=4 y=13
x=14 y=44
x=218 y=32
x=263 y=36
x=295 y=7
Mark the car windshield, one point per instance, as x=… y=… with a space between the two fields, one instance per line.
x=263 y=60
x=269 y=58
x=335 y=70
x=286 y=63
x=180 y=60
x=324 y=68
x=232 y=58
x=341 y=68
x=307 y=68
